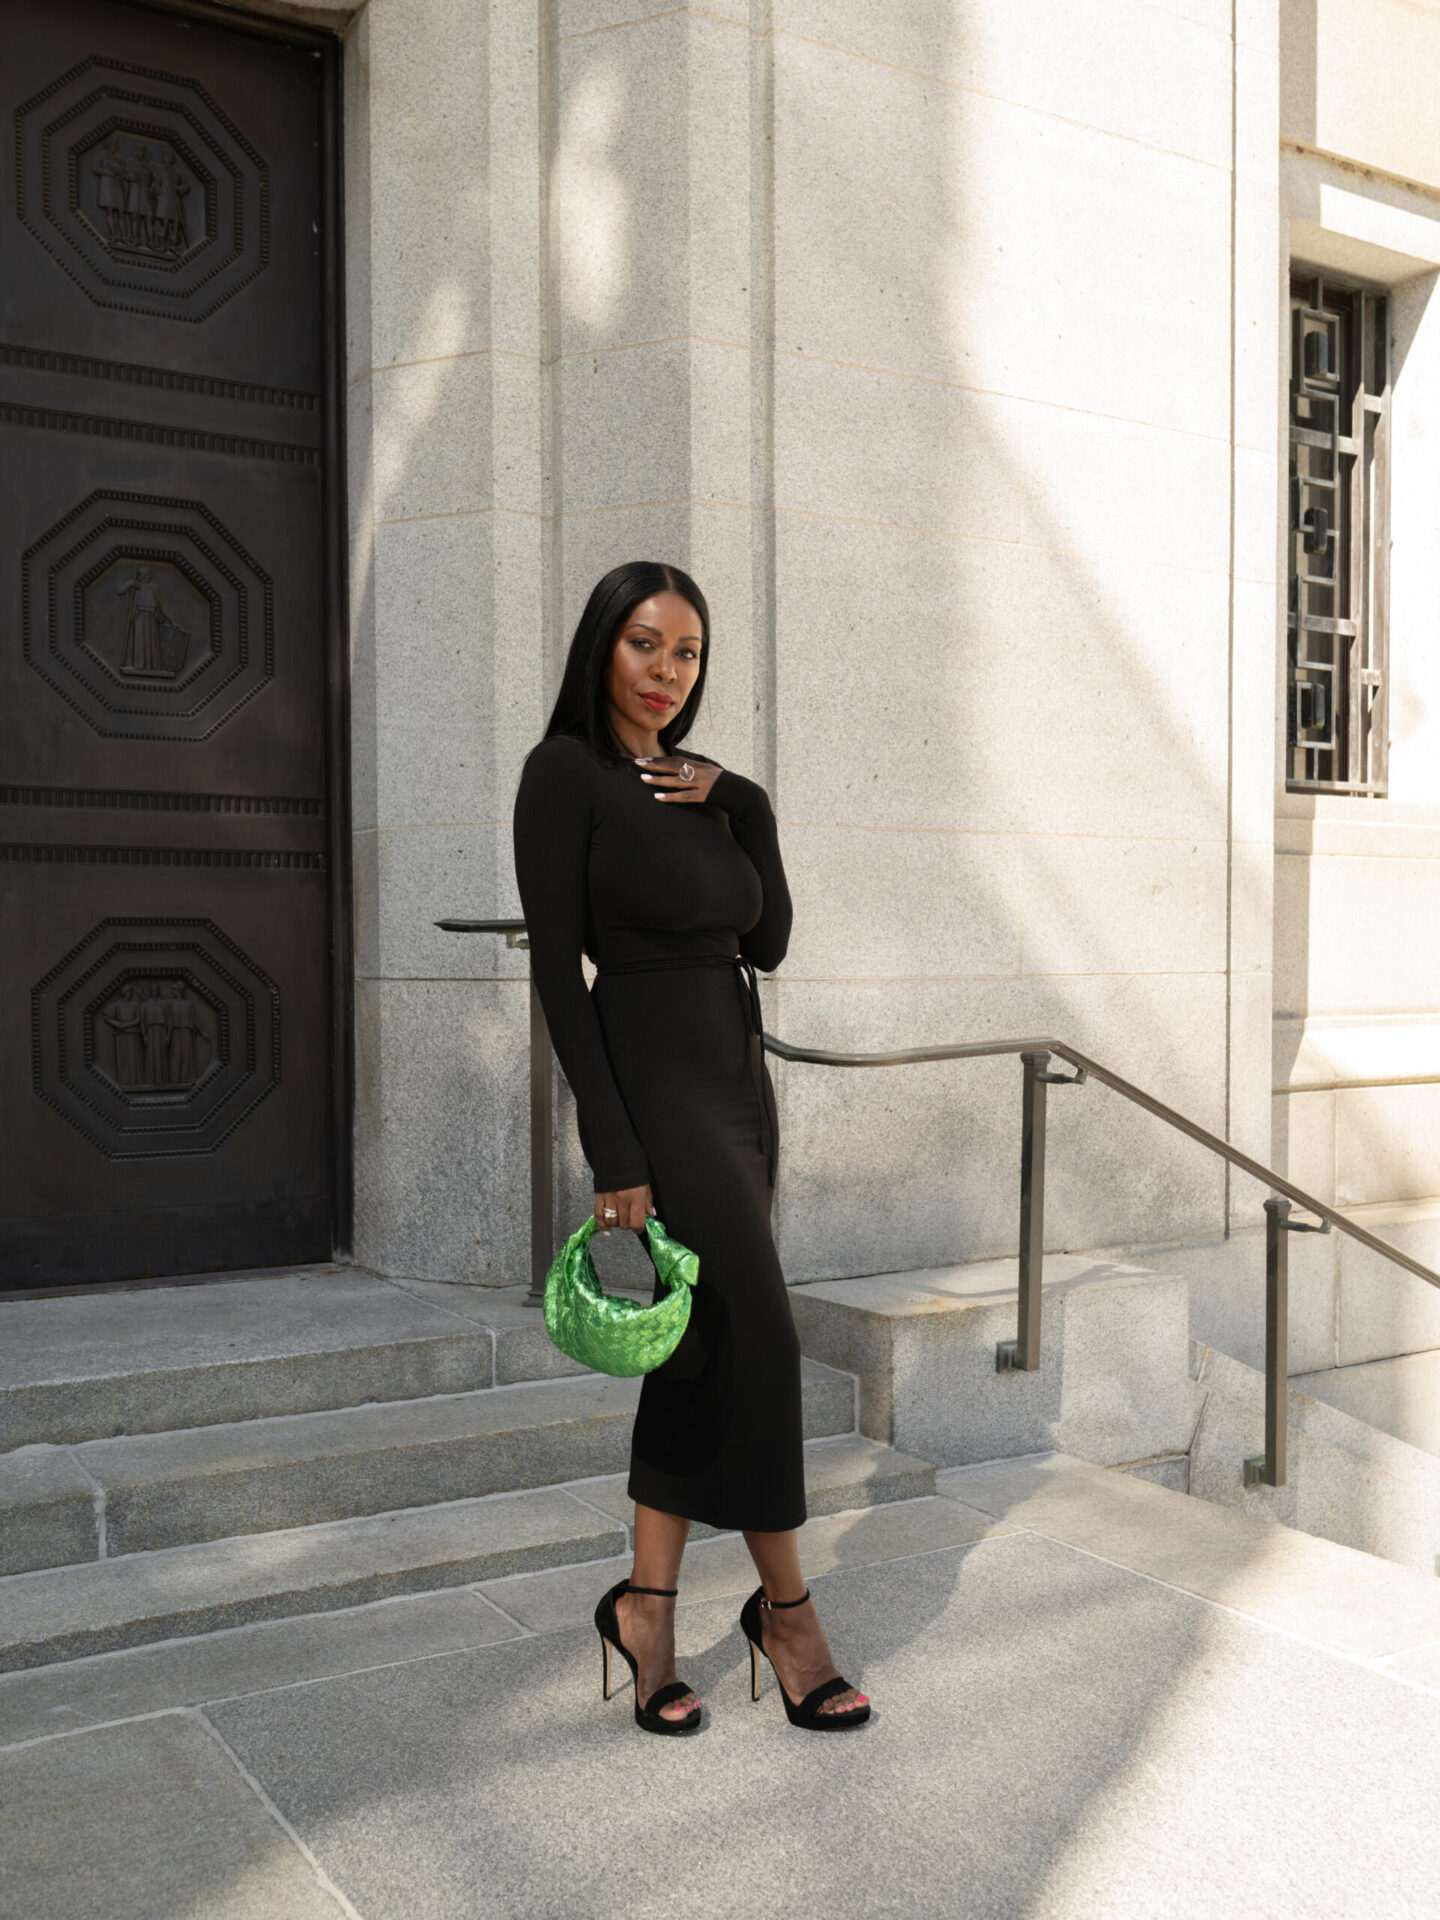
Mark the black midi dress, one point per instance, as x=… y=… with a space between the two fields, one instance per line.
x=677 y=904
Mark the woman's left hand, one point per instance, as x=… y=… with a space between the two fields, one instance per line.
x=665 y=772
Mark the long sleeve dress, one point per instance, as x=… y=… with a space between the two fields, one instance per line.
x=677 y=904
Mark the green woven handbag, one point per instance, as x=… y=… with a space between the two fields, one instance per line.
x=608 y=1333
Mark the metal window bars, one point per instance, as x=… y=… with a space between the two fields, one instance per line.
x=1023 y=1353
x=1339 y=537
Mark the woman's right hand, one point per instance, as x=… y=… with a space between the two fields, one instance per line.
x=630 y=1205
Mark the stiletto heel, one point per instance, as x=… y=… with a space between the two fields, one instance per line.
x=808 y=1713
x=608 y=1626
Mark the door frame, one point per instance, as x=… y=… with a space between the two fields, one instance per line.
x=329 y=46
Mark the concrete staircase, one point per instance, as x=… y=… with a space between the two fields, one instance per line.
x=178 y=1461
x=1353 y=1478
x=181 y=1460
x=1094 y=1696
x=1122 y=1385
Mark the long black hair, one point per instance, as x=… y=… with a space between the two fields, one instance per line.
x=580 y=705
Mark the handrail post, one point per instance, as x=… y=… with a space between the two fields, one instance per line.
x=1022 y=1354
x=1032 y=1211
x=1269 y=1469
x=1277 y=1341
x=542 y=1151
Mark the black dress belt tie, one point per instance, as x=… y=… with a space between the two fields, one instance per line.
x=750 y=998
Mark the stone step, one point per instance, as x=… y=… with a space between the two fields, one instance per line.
x=1324 y=1592
x=842 y=1474
x=49 y=1510
x=153 y=1491
x=1347 y=1480
x=1401 y=1396
x=90 y=1366
x=1113 y=1385
x=66 y=1613
x=93 y=1366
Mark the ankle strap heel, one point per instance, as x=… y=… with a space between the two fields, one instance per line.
x=807 y=1712
x=647 y=1713
x=770 y=1606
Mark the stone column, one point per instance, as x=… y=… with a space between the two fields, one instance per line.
x=447 y=427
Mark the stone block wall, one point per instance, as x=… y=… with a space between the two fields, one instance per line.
x=1357 y=881
x=944 y=344
x=940 y=344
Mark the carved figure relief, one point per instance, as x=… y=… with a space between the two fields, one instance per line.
x=122 y=1016
x=140 y=189
x=154 y=1037
x=155 y=646
x=161 y=1037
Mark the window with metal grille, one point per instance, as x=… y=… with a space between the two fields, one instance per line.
x=1339 y=536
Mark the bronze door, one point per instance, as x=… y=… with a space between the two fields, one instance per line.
x=169 y=676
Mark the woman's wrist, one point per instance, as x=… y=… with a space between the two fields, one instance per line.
x=619 y=1180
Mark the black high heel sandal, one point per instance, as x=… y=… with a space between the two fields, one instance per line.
x=808 y=1713
x=608 y=1626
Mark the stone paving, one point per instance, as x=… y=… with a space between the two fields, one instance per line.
x=1057 y=1734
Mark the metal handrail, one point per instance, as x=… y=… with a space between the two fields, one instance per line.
x=1092 y=1070
x=1023 y=1353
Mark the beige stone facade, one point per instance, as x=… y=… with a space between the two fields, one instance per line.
x=945 y=343
x=1357 y=881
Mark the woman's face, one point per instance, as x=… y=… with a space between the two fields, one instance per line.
x=654 y=663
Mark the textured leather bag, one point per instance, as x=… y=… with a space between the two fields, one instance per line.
x=604 y=1330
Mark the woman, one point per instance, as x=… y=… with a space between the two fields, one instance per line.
x=122 y=1016
x=666 y=870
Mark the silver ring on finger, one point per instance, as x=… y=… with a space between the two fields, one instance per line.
x=611 y=1214
x=687 y=772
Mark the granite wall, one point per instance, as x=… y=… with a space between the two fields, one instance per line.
x=1357 y=881
x=944 y=344
x=939 y=343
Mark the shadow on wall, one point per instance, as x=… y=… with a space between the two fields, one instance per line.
x=1003 y=614
x=1026 y=538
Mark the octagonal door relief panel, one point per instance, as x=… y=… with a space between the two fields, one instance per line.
x=147 y=616
x=142 y=189
x=155 y=1038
